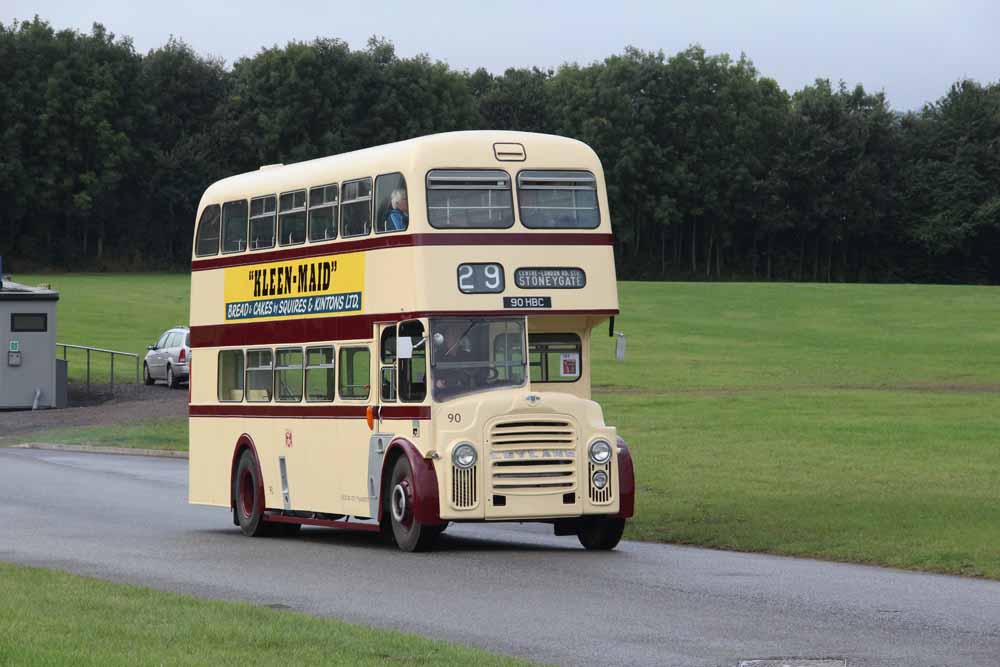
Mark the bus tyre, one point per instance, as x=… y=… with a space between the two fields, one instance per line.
x=600 y=532
x=146 y=377
x=408 y=533
x=171 y=378
x=249 y=497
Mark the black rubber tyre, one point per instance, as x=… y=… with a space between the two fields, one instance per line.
x=146 y=377
x=408 y=533
x=171 y=378
x=600 y=533
x=248 y=494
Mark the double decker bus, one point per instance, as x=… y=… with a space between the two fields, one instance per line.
x=398 y=338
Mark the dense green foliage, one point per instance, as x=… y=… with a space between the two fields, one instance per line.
x=713 y=171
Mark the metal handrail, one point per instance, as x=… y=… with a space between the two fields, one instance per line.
x=100 y=350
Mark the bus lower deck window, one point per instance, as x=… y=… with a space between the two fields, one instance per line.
x=555 y=357
x=288 y=375
x=260 y=375
x=230 y=375
x=319 y=373
x=355 y=372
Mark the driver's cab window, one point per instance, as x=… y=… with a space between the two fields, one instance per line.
x=162 y=343
x=507 y=347
x=413 y=372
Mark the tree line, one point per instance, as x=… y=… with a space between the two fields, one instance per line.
x=713 y=171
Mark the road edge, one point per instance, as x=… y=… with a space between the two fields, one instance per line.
x=95 y=449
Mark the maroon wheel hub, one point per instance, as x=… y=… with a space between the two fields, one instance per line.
x=246 y=487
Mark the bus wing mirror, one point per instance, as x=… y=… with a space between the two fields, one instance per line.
x=619 y=346
x=404 y=347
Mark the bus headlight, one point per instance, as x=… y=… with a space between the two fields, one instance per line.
x=600 y=452
x=599 y=480
x=464 y=456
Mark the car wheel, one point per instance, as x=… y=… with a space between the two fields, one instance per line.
x=248 y=494
x=600 y=533
x=408 y=533
x=146 y=377
x=171 y=380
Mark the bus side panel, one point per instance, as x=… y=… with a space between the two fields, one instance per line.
x=210 y=460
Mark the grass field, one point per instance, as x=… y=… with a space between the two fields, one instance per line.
x=52 y=618
x=851 y=422
x=123 y=312
x=167 y=433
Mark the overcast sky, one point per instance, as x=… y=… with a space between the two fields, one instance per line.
x=911 y=50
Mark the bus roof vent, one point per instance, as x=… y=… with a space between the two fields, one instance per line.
x=509 y=152
x=265 y=167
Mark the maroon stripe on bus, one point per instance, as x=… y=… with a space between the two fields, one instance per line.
x=306 y=411
x=348 y=327
x=401 y=241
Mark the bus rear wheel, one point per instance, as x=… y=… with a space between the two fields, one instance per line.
x=600 y=533
x=248 y=497
x=408 y=533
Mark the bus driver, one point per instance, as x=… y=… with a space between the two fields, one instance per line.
x=453 y=350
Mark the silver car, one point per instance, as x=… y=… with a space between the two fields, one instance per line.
x=168 y=359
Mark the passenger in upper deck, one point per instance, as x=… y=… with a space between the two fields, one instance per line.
x=399 y=214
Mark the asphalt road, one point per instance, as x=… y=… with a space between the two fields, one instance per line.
x=507 y=588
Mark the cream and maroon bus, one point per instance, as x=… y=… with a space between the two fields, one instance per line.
x=398 y=338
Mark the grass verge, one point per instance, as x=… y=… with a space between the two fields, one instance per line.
x=167 y=433
x=55 y=618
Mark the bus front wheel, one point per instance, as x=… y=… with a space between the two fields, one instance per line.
x=601 y=533
x=408 y=533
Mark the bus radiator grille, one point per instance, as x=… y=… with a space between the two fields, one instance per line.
x=463 y=487
x=533 y=456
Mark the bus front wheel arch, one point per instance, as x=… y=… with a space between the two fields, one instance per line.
x=408 y=533
x=409 y=487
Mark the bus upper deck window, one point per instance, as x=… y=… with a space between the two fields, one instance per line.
x=234 y=226
x=208 y=232
x=262 y=222
x=323 y=202
x=292 y=218
x=558 y=199
x=392 y=206
x=356 y=208
x=469 y=199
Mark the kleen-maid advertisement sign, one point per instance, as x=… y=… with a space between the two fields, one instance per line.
x=328 y=285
